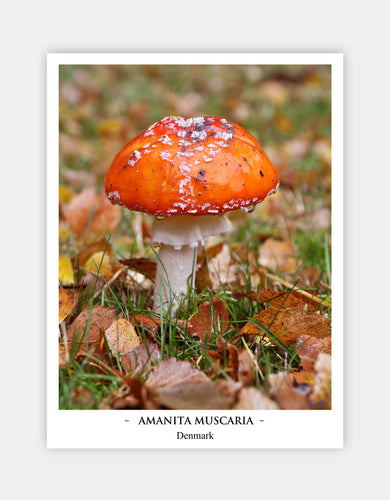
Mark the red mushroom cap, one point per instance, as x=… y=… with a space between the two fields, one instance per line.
x=196 y=166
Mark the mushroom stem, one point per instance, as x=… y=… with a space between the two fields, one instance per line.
x=178 y=238
x=174 y=267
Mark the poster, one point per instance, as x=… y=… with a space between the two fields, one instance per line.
x=251 y=362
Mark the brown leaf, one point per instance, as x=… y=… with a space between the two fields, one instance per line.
x=212 y=317
x=134 y=394
x=222 y=269
x=99 y=318
x=251 y=398
x=246 y=367
x=286 y=395
x=308 y=349
x=229 y=389
x=284 y=299
x=91 y=214
x=144 y=325
x=171 y=372
x=141 y=358
x=121 y=337
x=277 y=255
x=66 y=303
x=321 y=397
x=62 y=356
x=192 y=396
x=203 y=280
x=287 y=324
x=142 y=265
x=177 y=384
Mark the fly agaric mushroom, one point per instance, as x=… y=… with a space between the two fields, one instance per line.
x=187 y=172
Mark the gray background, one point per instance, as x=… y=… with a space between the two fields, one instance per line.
x=29 y=31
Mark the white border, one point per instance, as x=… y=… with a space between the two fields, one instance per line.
x=109 y=429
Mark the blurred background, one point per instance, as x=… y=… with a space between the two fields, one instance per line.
x=286 y=108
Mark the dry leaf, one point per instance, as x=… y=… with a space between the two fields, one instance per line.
x=277 y=256
x=121 y=337
x=285 y=299
x=65 y=271
x=287 y=396
x=66 y=303
x=212 y=317
x=251 y=398
x=308 y=349
x=99 y=318
x=321 y=397
x=99 y=262
x=192 y=396
x=141 y=358
x=274 y=91
x=91 y=248
x=287 y=324
x=63 y=356
x=91 y=214
x=171 y=372
x=222 y=269
x=110 y=126
x=177 y=384
x=142 y=265
x=143 y=324
x=246 y=367
x=65 y=194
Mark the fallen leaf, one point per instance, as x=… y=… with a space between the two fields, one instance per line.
x=99 y=262
x=91 y=214
x=222 y=269
x=322 y=391
x=212 y=317
x=143 y=324
x=62 y=356
x=121 y=337
x=66 y=303
x=285 y=299
x=277 y=255
x=251 y=398
x=89 y=249
x=65 y=194
x=205 y=254
x=97 y=319
x=77 y=179
x=142 y=265
x=246 y=367
x=133 y=394
x=274 y=91
x=110 y=126
x=65 y=271
x=192 y=396
x=171 y=372
x=308 y=349
x=141 y=358
x=177 y=384
x=286 y=395
x=287 y=324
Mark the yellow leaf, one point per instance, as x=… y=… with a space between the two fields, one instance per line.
x=110 y=126
x=64 y=194
x=66 y=303
x=98 y=262
x=121 y=337
x=65 y=273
